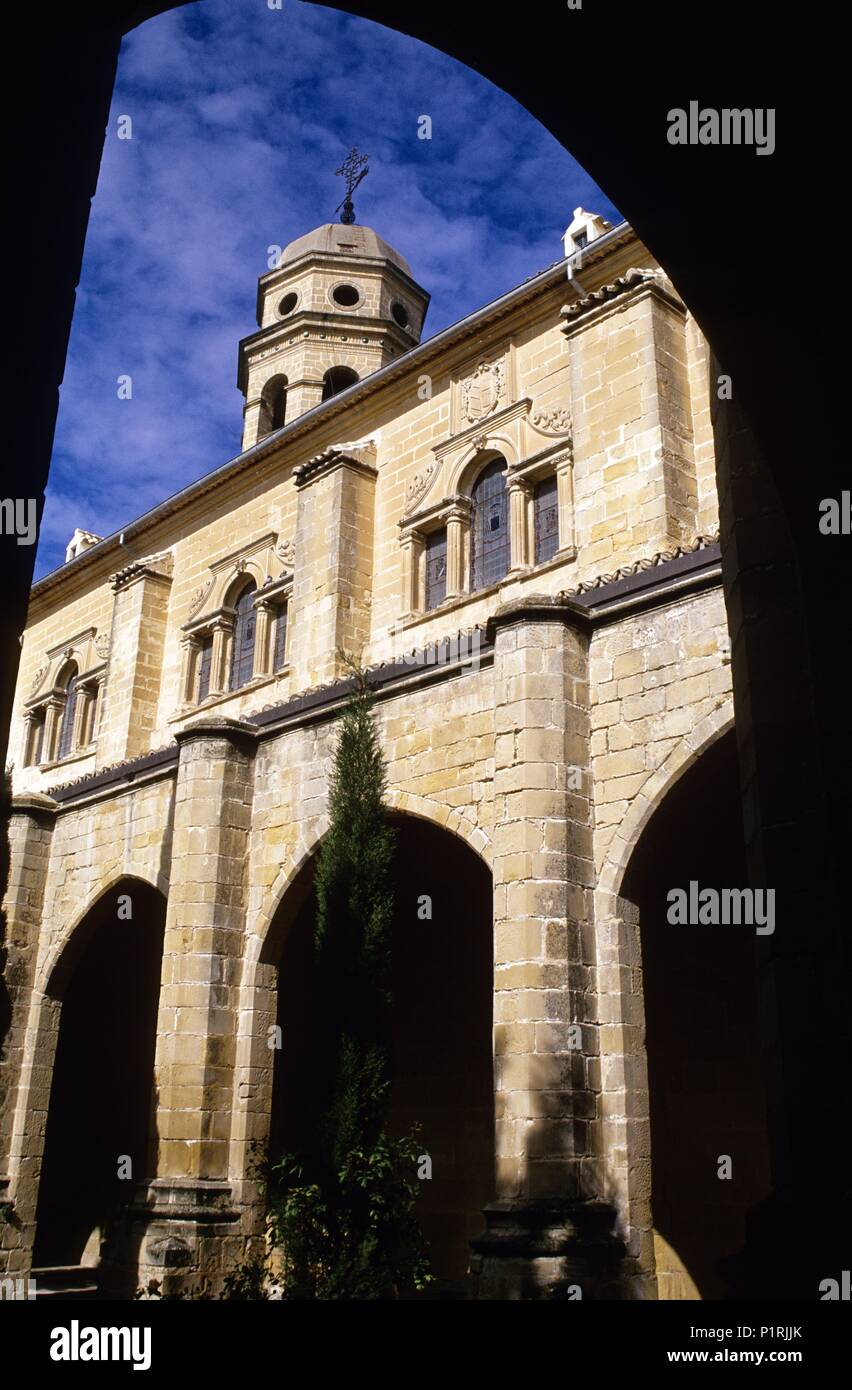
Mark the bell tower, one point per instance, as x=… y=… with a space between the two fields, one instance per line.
x=340 y=304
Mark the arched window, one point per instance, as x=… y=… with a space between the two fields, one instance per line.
x=66 y=733
x=242 y=647
x=273 y=406
x=337 y=379
x=489 y=528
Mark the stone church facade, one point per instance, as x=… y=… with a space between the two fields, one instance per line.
x=514 y=525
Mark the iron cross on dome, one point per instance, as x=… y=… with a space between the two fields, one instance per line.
x=354 y=168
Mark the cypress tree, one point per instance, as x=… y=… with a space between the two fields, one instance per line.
x=343 y=1208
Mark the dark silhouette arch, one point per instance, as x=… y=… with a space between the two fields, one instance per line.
x=101 y=1097
x=787 y=590
x=273 y=406
x=441 y=1031
x=701 y=1030
x=337 y=379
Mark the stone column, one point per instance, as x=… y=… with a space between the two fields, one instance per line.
x=519 y=497
x=302 y=395
x=21 y=1135
x=632 y=430
x=458 y=524
x=52 y=721
x=550 y=1227
x=191 y=1223
x=264 y=609
x=85 y=696
x=220 y=657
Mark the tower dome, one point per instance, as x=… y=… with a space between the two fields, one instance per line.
x=333 y=238
x=340 y=303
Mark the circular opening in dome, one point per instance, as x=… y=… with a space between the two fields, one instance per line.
x=288 y=303
x=345 y=295
x=400 y=313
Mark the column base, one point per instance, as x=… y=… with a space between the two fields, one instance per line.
x=554 y=1249
x=183 y=1234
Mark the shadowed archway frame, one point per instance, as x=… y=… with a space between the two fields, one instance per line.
x=722 y=223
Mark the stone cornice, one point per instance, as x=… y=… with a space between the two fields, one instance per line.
x=430 y=517
x=238 y=732
x=159 y=567
x=33 y=804
x=489 y=424
x=361 y=457
x=127 y=770
x=660 y=557
x=318 y=325
x=631 y=285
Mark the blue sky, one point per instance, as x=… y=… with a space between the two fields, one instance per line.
x=240 y=115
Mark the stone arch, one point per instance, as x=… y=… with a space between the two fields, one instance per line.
x=426 y=808
x=273 y=405
x=650 y=795
x=408 y=803
x=338 y=378
x=233 y=584
x=51 y=986
x=67 y=670
x=626 y=1128
x=477 y=456
x=252 y=1094
x=56 y=969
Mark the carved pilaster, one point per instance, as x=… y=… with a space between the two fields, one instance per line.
x=412 y=587
x=565 y=500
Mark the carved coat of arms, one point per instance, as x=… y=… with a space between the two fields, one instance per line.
x=483 y=391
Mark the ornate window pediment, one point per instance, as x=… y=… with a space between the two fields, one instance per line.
x=88 y=650
x=62 y=706
x=236 y=630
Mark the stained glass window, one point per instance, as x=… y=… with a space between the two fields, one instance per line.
x=489 y=532
x=66 y=733
x=546 y=506
x=436 y=568
x=242 y=649
x=205 y=664
x=279 y=657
